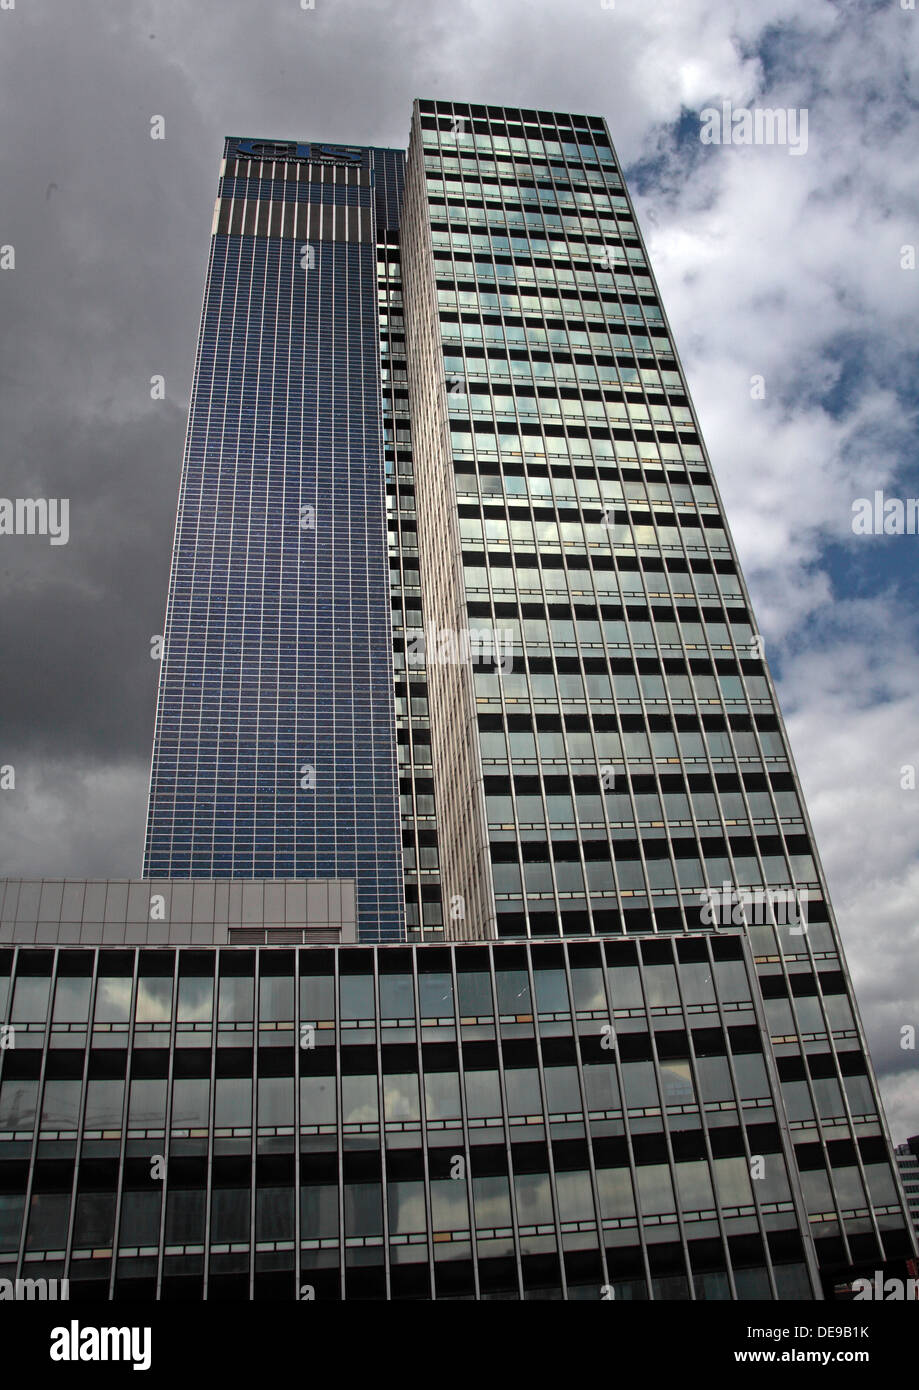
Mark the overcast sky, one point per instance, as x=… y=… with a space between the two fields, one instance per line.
x=786 y=267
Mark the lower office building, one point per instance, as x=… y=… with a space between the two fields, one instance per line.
x=553 y=1119
x=187 y=1115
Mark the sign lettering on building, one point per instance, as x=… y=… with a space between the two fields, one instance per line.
x=289 y=149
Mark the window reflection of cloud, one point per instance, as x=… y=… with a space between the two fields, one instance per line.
x=113 y=1000
x=154 y=1000
x=196 y=1000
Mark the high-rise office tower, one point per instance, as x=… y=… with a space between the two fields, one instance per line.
x=907 y=1156
x=621 y=766
x=274 y=751
x=611 y=1050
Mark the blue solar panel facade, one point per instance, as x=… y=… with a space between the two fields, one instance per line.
x=274 y=751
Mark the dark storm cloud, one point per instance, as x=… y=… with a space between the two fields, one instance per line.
x=77 y=673
x=110 y=229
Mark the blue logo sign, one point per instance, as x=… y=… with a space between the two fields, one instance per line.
x=289 y=149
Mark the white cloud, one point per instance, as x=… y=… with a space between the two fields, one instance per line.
x=851 y=699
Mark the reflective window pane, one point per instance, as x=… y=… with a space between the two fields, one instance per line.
x=523 y=1095
x=317 y=1100
x=397 y=999
x=30 y=999
x=655 y=1189
x=449 y=1205
x=274 y=1213
x=275 y=1100
x=196 y=999
x=318 y=1211
x=492 y=1201
x=400 y=1097
x=233 y=1102
x=551 y=991
x=575 y=1197
x=317 y=998
x=475 y=999
x=275 y=998
x=483 y=1094
x=363 y=1209
x=190 y=1099
x=18 y=1100
x=104 y=1101
x=71 y=999
x=185 y=1216
x=113 y=1000
x=94 y=1219
x=235 y=1000
x=229 y=1214
x=359 y=1102
x=357 y=996
x=534 y=1199
x=436 y=995
x=147 y=1106
x=442 y=1095
x=49 y=1213
x=405 y=1203
x=640 y=1085
x=154 y=999
x=61 y=1104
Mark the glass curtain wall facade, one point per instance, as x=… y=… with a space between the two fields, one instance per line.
x=542 y=1120
x=274 y=750
x=423 y=907
x=621 y=766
